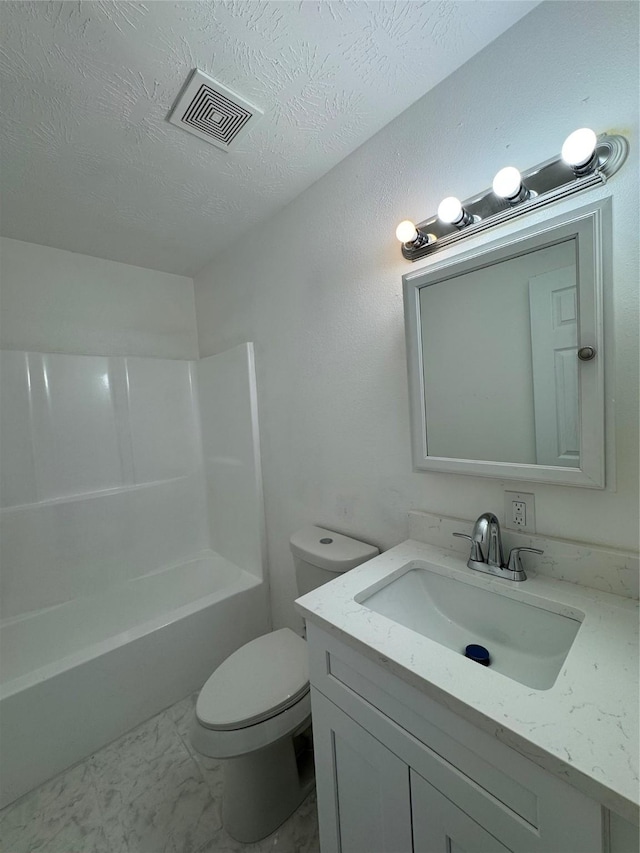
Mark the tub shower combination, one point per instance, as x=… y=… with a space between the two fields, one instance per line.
x=132 y=545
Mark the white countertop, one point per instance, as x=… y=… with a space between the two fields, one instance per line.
x=584 y=729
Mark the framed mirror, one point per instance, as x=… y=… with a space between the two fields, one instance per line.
x=505 y=354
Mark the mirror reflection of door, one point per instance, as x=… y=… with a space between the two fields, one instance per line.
x=554 y=344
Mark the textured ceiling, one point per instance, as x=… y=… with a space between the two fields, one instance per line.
x=90 y=163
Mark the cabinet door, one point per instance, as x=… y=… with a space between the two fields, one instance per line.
x=439 y=826
x=624 y=837
x=363 y=788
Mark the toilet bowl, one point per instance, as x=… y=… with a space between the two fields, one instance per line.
x=250 y=711
x=255 y=710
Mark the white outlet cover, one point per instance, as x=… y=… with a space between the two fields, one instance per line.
x=526 y=498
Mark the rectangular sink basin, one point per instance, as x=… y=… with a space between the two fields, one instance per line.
x=527 y=643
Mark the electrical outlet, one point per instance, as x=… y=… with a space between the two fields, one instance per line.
x=520 y=511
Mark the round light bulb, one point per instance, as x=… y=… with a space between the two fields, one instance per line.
x=450 y=210
x=579 y=146
x=406 y=231
x=507 y=183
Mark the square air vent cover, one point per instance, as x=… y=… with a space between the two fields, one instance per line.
x=209 y=110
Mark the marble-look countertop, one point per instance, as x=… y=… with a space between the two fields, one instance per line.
x=584 y=729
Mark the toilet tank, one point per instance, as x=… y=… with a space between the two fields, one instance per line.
x=319 y=555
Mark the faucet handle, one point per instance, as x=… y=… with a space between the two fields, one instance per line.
x=476 y=553
x=515 y=564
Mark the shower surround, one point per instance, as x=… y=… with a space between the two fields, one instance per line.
x=132 y=544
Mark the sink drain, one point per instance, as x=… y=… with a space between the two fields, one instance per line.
x=478 y=653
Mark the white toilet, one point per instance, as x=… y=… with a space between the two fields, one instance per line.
x=255 y=710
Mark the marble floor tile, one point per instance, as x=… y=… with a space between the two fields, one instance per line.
x=137 y=761
x=298 y=834
x=174 y=815
x=61 y=816
x=181 y=715
x=147 y=792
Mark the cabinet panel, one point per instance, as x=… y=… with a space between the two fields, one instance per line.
x=439 y=826
x=528 y=809
x=441 y=749
x=363 y=788
x=624 y=837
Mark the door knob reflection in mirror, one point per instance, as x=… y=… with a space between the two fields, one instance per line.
x=587 y=353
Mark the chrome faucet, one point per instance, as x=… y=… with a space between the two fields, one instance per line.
x=486 y=550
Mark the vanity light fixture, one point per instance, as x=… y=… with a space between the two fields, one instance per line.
x=586 y=161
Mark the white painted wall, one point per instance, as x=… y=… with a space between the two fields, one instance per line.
x=57 y=301
x=318 y=290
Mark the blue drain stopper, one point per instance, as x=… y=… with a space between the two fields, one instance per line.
x=478 y=653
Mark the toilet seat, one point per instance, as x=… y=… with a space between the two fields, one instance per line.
x=231 y=743
x=262 y=679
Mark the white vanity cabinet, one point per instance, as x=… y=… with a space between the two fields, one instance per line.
x=375 y=802
x=399 y=772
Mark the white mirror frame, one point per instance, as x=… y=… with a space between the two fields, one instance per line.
x=591 y=226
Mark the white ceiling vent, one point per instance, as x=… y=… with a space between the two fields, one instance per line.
x=209 y=110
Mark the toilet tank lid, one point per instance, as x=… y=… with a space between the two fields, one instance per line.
x=330 y=551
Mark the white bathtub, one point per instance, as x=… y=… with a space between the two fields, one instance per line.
x=78 y=675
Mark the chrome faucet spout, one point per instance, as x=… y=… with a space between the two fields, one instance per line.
x=486 y=533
